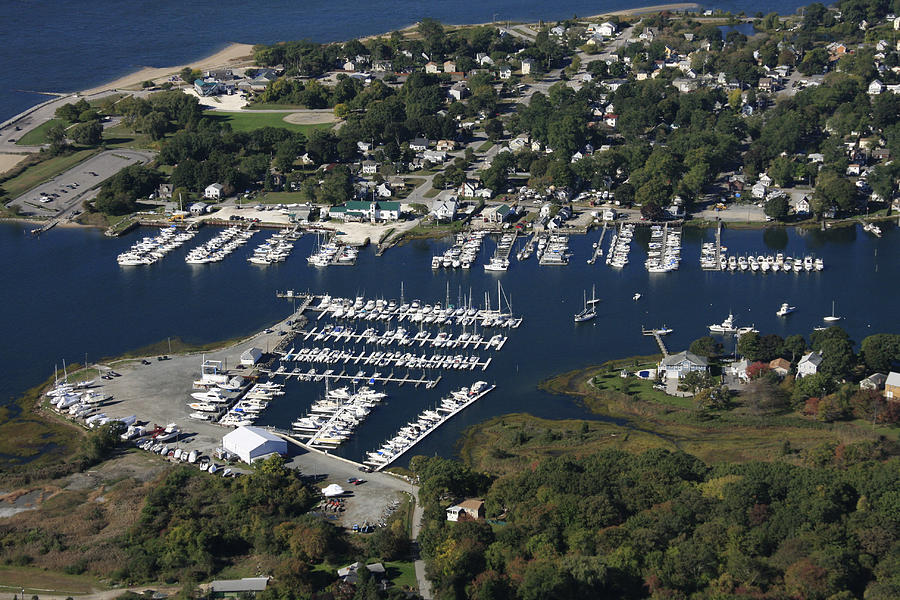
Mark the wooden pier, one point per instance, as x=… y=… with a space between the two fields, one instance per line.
x=389 y=338
x=718 y=263
x=658 y=338
x=598 y=250
x=330 y=356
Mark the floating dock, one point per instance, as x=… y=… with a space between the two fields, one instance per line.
x=381 y=465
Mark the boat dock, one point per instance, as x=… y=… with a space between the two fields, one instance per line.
x=658 y=338
x=389 y=359
x=505 y=246
x=313 y=375
x=716 y=263
x=370 y=336
x=598 y=246
x=378 y=465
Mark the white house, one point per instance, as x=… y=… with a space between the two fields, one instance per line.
x=458 y=90
x=676 y=366
x=527 y=66
x=213 y=191
x=758 y=190
x=445 y=210
x=419 y=145
x=435 y=156
x=369 y=167
x=251 y=356
x=802 y=206
x=809 y=364
x=384 y=190
x=505 y=72
x=253 y=443
x=472 y=509
x=607 y=29
x=199 y=208
x=432 y=67
x=876 y=87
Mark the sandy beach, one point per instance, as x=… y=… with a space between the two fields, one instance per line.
x=234 y=55
x=9 y=161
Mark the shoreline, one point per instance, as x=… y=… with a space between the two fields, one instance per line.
x=232 y=55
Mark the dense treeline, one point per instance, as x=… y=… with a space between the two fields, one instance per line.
x=665 y=525
x=119 y=194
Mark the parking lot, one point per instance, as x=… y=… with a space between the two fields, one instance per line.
x=66 y=191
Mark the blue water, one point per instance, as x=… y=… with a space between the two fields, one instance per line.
x=64 y=296
x=70 y=45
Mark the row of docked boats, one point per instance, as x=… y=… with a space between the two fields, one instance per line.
x=333 y=419
x=388 y=359
x=553 y=250
x=415 y=312
x=220 y=246
x=274 y=250
x=426 y=422
x=401 y=337
x=148 y=250
x=332 y=253
x=664 y=250
x=873 y=229
x=224 y=404
x=462 y=253
x=620 y=246
x=760 y=263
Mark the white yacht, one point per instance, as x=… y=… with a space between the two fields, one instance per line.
x=785 y=310
x=726 y=326
x=831 y=318
x=590 y=308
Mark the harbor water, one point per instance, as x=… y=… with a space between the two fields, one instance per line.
x=65 y=297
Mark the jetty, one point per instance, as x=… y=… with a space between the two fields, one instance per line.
x=716 y=263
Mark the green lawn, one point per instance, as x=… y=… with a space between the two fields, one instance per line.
x=401 y=573
x=38 y=135
x=432 y=193
x=485 y=146
x=41 y=172
x=251 y=121
x=122 y=136
x=38 y=581
x=276 y=198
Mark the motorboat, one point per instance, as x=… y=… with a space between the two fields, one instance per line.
x=785 y=310
x=726 y=326
x=636 y=297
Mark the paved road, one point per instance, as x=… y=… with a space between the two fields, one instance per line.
x=72 y=187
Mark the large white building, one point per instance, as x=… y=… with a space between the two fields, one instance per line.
x=213 y=191
x=253 y=443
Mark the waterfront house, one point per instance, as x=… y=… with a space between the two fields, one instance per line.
x=199 y=208
x=606 y=29
x=445 y=210
x=676 y=366
x=165 y=190
x=875 y=381
x=213 y=191
x=235 y=588
x=739 y=369
x=758 y=190
x=809 y=364
x=471 y=509
x=802 y=206
x=497 y=214
x=207 y=87
x=892 y=386
x=781 y=366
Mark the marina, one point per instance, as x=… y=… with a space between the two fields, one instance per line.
x=664 y=249
x=620 y=246
x=219 y=247
x=598 y=245
x=151 y=249
x=544 y=299
x=462 y=253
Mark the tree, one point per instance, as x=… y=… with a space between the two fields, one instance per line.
x=494 y=129
x=88 y=134
x=694 y=381
x=777 y=207
x=748 y=346
x=880 y=351
x=153 y=124
x=337 y=187
x=57 y=136
x=795 y=345
x=706 y=346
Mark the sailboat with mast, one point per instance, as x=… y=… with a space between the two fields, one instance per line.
x=831 y=318
x=590 y=307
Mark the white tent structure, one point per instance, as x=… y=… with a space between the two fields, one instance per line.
x=253 y=443
x=333 y=490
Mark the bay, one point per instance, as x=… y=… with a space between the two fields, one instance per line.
x=64 y=295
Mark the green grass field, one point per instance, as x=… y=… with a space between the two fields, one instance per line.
x=251 y=121
x=401 y=573
x=38 y=135
x=273 y=106
x=41 y=172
